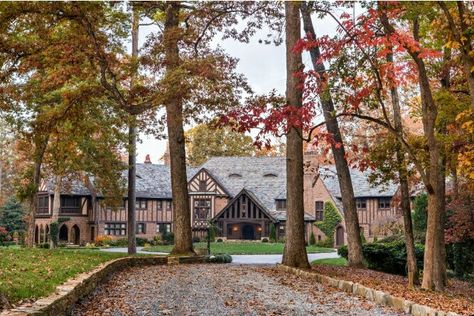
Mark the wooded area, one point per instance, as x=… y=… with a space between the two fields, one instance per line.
x=392 y=90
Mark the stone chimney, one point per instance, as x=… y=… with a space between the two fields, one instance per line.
x=166 y=155
x=147 y=159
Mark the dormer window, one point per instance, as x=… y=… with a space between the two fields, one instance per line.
x=280 y=205
x=202 y=186
x=235 y=175
x=270 y=175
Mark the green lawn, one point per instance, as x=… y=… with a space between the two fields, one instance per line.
x=33 y=273
x=242 y=248
x=331 y=262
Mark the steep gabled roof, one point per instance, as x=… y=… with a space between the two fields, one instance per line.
x=252 y=197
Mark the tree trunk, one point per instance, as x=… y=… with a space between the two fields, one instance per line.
x=132 y=159
x=295 y=251
x=343 y=174
x=174 y=114
x=40 y=147
x=56 y=206
x=413 y=277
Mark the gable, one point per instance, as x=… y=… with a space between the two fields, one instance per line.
x=204 y=182
x=244 y=207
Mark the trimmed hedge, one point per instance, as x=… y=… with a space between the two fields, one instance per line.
x=387 y=257
x=223 y=258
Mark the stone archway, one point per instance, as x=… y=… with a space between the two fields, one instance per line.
x=340 y=236
x=41 y=234
x=76 y=235
x=47 y=233
x=63 y=233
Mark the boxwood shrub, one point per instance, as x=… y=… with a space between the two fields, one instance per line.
x=222 y=258
x=388 y=257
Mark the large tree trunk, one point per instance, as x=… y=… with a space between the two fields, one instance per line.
x=132 y=159
x=174 y=114
x=295 y=251
x=40 y=147
x=343 y=174
x=413 y=277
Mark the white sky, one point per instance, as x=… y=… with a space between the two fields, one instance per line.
x=263 y=65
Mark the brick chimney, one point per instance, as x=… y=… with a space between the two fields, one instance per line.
x=147 y=159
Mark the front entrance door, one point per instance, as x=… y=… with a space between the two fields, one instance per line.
x=248 y=232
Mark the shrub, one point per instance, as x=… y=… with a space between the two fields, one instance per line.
x=219 y=240
x=44 y=245
x=141 y=241
x=460 y=258
x=3 y=235
x=420 y=217
x=54 y=233
x=212 y=232
x=272 y=234
x=312 y=239
x=387 y=257
x=265 y=239
x=120 y=242
x=326 y=243
x=222 y=258
x=196 y=239
x=167 y=238
x=103 y=240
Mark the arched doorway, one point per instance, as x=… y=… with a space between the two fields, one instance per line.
x=42 y=236
x=340 y=236
x=36 y=234
x=63 y=233
x=76 y=235
x=47 y=233
x=248 y=232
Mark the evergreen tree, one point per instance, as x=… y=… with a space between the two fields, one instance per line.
x=11 y=216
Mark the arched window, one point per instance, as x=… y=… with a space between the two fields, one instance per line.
x=270 y=175
x=235 y=175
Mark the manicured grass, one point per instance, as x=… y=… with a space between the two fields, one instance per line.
x=32 y=273
x=242 y=248
x=331 y=262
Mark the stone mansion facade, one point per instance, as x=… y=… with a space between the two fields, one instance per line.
x=243 y=196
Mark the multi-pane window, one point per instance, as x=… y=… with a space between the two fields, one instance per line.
x=384 y=203
x=168 y=205
x=163 y=228
x=122 y=203
x=140 y=204
x=319 y=210
x=159 y=204
x=141 y=228
x=70 y=205
x=43 y=204
x=280 y=205
x=202 y=209
x=115 y=229
x=361 y=203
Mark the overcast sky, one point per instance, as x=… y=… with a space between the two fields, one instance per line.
x=263 y=65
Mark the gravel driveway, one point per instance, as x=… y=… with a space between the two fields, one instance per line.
x=219 y=290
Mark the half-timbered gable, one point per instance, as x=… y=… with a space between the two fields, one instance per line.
x=206 y=195
x=244 y=217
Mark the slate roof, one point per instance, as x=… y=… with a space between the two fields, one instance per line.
x=360 y=183
x=264 y=177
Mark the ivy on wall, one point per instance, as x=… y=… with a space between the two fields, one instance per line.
x=331 y=218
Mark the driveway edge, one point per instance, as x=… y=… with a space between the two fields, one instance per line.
x=373 y=295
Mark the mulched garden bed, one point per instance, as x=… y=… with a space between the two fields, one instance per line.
x=458 y=296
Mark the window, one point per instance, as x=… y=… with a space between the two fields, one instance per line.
x=140 y=204
x=280 y=205
x=202 y=186
x=70 y=205
x=202 y=209
x=115 y=229
x=122 y=204
x=141 y=228
x=319 y=210
x=168 y=205
x=159 y=204
x=163 y=228
x=384 y=203
x=43 y=204
x=361 y=203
